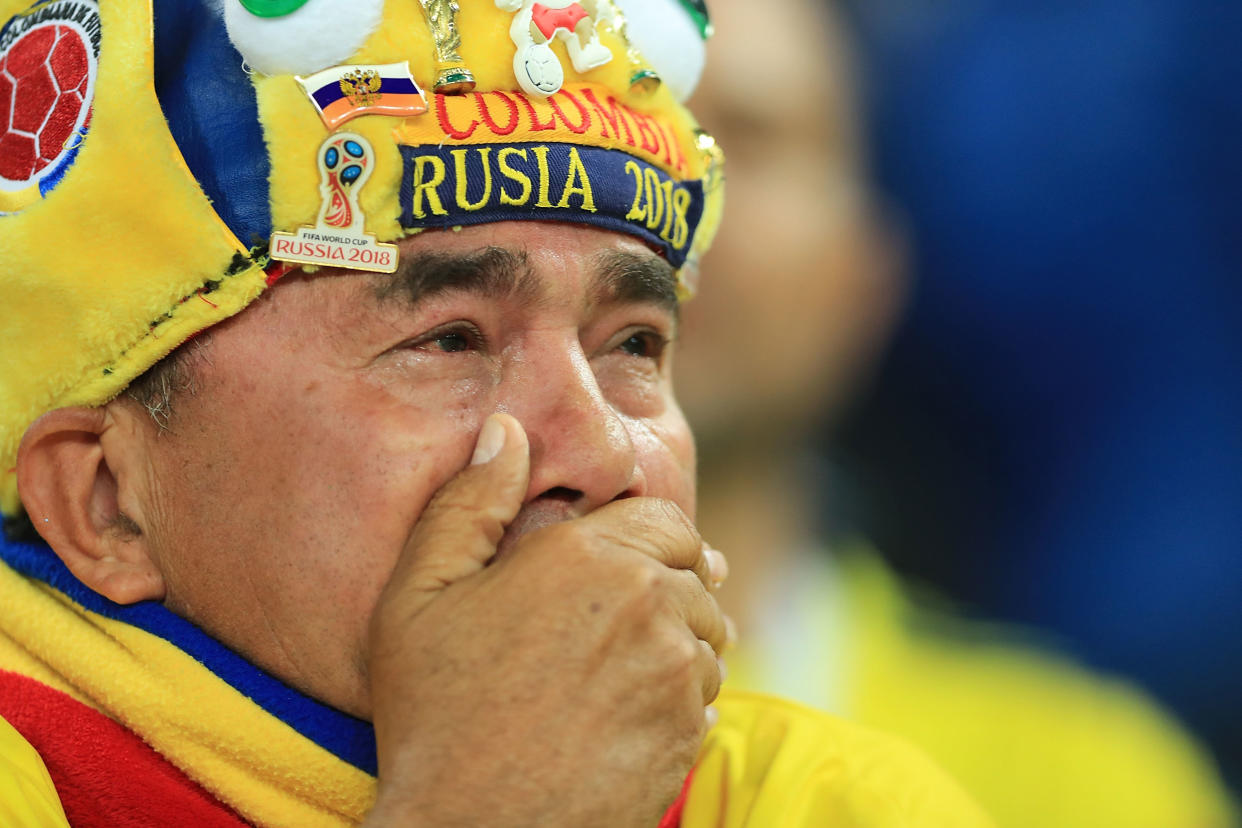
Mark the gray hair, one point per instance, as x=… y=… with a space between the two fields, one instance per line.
x=158 y=388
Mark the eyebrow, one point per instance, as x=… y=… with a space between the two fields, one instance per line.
x=490 y=271
x=498 y=272
x=622 y=276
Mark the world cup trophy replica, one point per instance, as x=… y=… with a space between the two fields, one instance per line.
x=452 y=75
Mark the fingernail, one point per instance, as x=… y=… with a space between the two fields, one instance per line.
x=712 y=715
x=730 y=633
x=491 y=441
x=724 y=670
x=716 y=565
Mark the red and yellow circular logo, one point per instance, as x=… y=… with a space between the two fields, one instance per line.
x=49 y=58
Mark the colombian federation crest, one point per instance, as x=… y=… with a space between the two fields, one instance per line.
x=49 y=63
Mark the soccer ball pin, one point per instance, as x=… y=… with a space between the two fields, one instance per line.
x=535 y=25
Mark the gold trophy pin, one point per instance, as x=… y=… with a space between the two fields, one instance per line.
x=452 y=75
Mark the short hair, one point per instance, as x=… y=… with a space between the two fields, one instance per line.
x=158 y=388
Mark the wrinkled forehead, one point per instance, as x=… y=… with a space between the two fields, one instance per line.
x=550 y=267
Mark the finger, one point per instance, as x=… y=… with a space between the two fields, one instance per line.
x=656 y=528
x=717 y=565
x=458 y=532
x=709 y=669
x=702 y=614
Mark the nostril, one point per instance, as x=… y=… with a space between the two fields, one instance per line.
x=560 y=493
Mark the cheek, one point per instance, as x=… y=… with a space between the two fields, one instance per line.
x=384 y=461
x=322 y=491
x=633 y=386
x=664 y=448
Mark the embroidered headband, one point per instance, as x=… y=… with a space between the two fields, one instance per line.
x=159 y=167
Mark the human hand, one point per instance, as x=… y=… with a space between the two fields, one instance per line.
x=561 y=683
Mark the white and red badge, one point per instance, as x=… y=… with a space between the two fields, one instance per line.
x=49 y=62
x=535 y=26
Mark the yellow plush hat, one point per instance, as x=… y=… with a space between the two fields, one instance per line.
x=161 y=163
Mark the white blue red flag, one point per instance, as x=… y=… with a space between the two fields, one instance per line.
x=345 y=92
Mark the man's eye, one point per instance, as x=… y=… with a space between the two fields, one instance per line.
x=450 y=339
x=645 y=344
x=452 y=342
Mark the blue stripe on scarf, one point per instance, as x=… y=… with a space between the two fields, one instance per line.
x=350 y=739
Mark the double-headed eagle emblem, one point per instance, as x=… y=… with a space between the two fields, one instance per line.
x=361 y=86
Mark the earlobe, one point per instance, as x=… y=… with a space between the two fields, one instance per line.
x=69 y=486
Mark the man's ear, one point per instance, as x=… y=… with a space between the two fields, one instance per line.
x=68 y=482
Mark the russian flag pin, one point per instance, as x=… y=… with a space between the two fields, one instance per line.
x=345 y=92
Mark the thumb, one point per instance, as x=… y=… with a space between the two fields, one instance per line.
x=458 y=532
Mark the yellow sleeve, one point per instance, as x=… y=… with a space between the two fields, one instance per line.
x=27 y=796
x=776 y=764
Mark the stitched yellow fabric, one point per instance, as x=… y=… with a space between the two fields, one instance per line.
x=255 y=763
x=75 y=320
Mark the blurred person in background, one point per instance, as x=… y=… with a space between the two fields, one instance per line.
x=807 y=281
x=1055 y=436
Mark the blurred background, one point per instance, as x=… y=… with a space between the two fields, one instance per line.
x=966 y=372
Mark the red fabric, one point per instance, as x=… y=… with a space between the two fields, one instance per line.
x=672 y=817
x=43 y=78
x=549 y=20
x=106 y=776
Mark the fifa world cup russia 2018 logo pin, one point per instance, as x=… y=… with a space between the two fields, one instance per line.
x=49 y=63
x=339 y=237
x=536 y=24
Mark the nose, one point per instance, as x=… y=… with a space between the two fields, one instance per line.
x=581 y=451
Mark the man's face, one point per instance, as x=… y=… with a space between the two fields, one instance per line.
x=326 y=415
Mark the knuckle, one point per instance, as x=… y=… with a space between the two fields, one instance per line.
x=449 y=514
x=678 y=659
x=449 y=503
x=647 y=578
x=686 y=655
x=716 y=633
x=646 y=592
